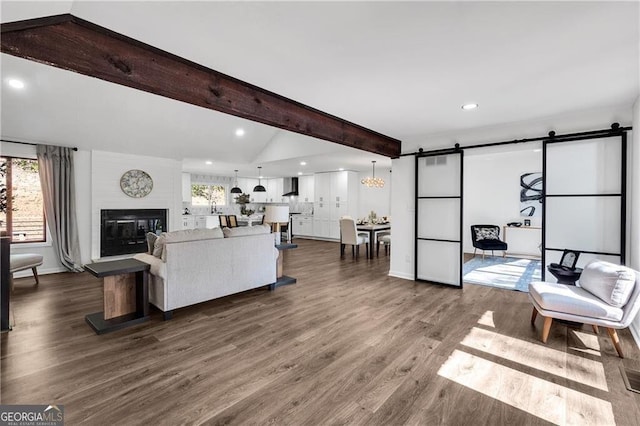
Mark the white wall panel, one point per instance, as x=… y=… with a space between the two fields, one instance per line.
x=584 y=167
x=439 y=262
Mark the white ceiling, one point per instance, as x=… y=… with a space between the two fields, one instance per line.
x=402 y=69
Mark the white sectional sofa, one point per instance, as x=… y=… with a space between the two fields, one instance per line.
x=197 y=265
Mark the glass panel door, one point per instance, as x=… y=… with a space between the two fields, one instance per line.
x=584 y=199
x=438 y=247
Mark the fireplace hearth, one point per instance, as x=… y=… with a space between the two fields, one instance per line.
x=125 y=231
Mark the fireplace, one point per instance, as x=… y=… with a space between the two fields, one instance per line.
x=124 y=231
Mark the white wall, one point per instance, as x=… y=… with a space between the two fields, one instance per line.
x=106 y=170
x=634 y=204
x=402 y=198
x=492 y=193
x=376 y=199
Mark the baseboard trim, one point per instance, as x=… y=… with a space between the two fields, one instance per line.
x=403 y=275
x=635 y=333
x=41 y=271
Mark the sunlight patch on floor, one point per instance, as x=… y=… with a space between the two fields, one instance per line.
x=583 y=342
x=487 y=319
x=541 y=398
x=543 y=358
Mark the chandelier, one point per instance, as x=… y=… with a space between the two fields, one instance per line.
x=373 y=182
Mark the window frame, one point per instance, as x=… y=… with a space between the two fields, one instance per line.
x=9 y=213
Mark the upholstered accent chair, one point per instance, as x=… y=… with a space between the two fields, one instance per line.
x=487 y=237
x=607 y=295
x=20 y=262
x=349 y=235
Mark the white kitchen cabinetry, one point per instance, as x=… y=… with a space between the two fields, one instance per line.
x=275 y=189
x=306 y=185
x=336 y=195
x=302 y=226
x=188 y=222
x=200 y=221
x=186 y=188
x=247 y=185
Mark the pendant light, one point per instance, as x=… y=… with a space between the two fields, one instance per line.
x=259 y=187
x=373 y=182
x=235 y=189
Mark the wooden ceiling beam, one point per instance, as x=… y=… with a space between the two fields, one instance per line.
x=73 y=44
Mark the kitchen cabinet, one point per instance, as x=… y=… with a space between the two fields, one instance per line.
x=186 y=188
x=302 y=226
x=200 y=221
x=336 y=195
x=275 y=189
x=306 y=185
x=247 y=185
x=188 y=222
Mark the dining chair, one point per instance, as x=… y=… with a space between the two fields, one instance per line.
x=384 y=238
x=224 y=223
x=349 y=235
x=233 y=221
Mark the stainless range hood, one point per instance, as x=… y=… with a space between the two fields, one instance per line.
x=290 y=187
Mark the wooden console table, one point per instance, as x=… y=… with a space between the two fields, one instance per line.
x=281 y=278
x=126 y=294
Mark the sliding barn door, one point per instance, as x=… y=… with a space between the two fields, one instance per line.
x=438 y=227
x=584 y=199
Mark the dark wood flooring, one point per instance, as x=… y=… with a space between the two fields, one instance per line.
x=347 y=344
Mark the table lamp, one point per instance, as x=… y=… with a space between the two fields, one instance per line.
x=276 y=215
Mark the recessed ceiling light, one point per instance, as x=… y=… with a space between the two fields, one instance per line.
x=299 y=173
x=240 y=132
x=469 y=106
x=341 y=169
x=303 y=163
x=208 y=163
x=15 y=83
x=537 y=150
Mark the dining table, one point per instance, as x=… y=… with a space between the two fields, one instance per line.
x=373 y=229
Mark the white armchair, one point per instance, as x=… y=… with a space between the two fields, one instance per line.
x=608 y=295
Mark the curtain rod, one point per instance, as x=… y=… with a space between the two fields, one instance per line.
x=30 y=143
x=615 y=129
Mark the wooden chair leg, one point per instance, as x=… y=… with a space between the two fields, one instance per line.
x=474 y=251
x=35 y=274
x=387 y=249
x=616 y=341
x=377 y=248
x=482 y=254
x=595 y=329
x=366 y=251
x=353 y=251
x=546 y=328
x=534 y=314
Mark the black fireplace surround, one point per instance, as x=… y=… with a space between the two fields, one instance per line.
x=125 y=231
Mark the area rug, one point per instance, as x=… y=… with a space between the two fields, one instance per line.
x=503 y=272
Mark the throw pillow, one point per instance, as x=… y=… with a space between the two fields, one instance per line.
x=486 y=234
x=609 y=282
x=242 y=231
x=158 y=246
x=151 y=241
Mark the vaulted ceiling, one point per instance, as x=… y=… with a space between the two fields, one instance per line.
x=401 y=69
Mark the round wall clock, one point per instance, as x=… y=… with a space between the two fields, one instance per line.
x=136 y=183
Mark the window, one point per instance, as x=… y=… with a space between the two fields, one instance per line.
x=208 y=195
x=21 y=205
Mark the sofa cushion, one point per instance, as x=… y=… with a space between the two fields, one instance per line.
x=610 y=282
x=572 y=300
x=151 y=242
x=184 y=236
x=242 y=231
x=193 y=235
